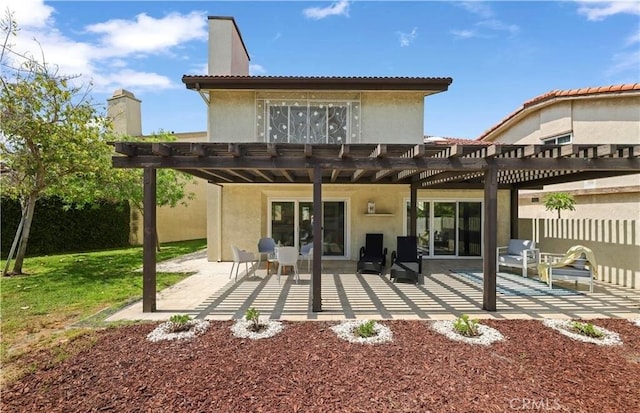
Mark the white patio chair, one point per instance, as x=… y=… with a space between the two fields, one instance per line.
x=241 y=256
x=306 y=253
x=266 y=246
x=287 y=257
x=520 y=253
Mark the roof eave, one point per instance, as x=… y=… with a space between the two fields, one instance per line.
x=427 y=85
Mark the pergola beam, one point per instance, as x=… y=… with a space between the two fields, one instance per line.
x=375 y=164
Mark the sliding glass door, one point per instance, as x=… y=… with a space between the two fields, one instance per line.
x=448 y=228
x=292 y=224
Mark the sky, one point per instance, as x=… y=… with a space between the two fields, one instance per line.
x=500 y=54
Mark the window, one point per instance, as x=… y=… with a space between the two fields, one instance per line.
x=558 y=140
x=448 y=228
x=308 y=121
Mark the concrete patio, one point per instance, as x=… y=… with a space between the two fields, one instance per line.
x=210 y=294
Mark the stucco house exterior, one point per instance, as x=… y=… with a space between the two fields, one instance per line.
x=606 y=218
x=349 y=150
x=326 y=110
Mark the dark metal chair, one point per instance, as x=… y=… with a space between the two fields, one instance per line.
x=373 y=256
x=406 y=262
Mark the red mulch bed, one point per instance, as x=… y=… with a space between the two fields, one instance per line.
x=306 y=368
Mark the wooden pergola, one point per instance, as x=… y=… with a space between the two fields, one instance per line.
x=438 y=166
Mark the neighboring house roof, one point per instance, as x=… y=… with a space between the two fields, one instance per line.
x=560 y=95
x=424 y=84
x=443 y=140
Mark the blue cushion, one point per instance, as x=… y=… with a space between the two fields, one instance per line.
x=516 y=246
x=579 y=263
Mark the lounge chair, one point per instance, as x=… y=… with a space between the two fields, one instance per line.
x=373 y=256
x=520 y=253
x=406 y=263
x=577 y=264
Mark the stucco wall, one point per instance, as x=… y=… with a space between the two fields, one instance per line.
x=392 y=117
x=232 y=117
x=245 y=212
x=386 y=117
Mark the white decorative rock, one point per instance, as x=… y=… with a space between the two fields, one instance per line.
x=487 y=335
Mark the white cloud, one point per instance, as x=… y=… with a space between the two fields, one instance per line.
x=463 y=34
x=599 y=10
x=130 y=79
x=476 y=7
x=200 y=69
x=146 y=34
x=498 y=25
x=339 y=8
x=633 y=39
x=624 y=63
x=28 y=13
x=108 y=59
x=255 y=69
x=407 y=38
x=489 y=22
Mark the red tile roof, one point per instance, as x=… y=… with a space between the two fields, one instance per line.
x=563 y=94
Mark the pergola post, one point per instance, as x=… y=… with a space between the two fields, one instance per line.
x=149 y=242
x=490 y=237
x=413 y=219
x=316 y=274
x=514 y=214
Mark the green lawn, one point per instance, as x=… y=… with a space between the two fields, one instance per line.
x=60 y=290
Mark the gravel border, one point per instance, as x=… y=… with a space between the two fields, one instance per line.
x=163 y=331
x=610 y=338
x=488 y=335
x=241 y=329
x=344 y=330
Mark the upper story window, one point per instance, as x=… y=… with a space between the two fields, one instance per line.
x=559 y=140
x=308 y=120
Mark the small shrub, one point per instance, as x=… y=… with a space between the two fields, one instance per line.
x=180 y=323
x=253 y=316
x=466 y=327
x=586 y=329
x=366 y=329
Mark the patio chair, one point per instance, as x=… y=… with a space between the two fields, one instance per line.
x=266 y=246
x=520 y=253
x=406 y=262
x=577 y=264
x=241 y=256
x=373 y=256
x=306 y=253
x=287 y=257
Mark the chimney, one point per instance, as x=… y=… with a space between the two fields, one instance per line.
x=227 y=52
x=124 y=111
